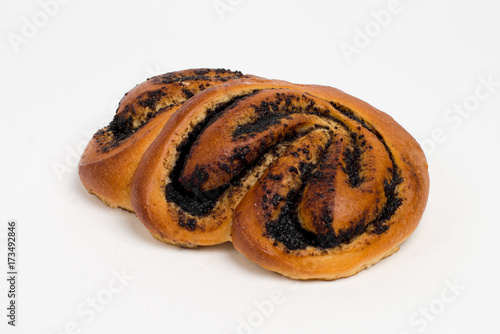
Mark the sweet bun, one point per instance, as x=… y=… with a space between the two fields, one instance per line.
x=110 y=159
x=363 y=195
x=305 y=180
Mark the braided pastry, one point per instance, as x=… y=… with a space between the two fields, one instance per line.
x=305 y=180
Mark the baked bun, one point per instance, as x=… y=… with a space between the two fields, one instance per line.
x=305 y=180
x=340 y=198
x=110 y=159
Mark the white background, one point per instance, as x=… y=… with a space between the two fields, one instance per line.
x=63 y=81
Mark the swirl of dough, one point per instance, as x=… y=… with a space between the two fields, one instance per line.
x=305 y=180
x=111 y=157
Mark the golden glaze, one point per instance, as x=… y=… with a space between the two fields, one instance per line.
x=258 y=147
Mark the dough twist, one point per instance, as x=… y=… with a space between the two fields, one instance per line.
x=305 y=180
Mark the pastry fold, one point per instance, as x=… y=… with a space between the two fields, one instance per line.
x=305 y=180
x=111 y=158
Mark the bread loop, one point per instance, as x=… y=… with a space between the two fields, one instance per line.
x=305 y=180
x=111 y=158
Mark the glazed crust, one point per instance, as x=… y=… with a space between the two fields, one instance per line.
x=305 y=180
x=165 y=219
x=363 y=250
x=111 y=157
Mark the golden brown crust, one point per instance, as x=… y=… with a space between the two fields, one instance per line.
x=164 y=219
x=110 y=159
x=214 y=146
x=363 y=250
x=305 y=180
